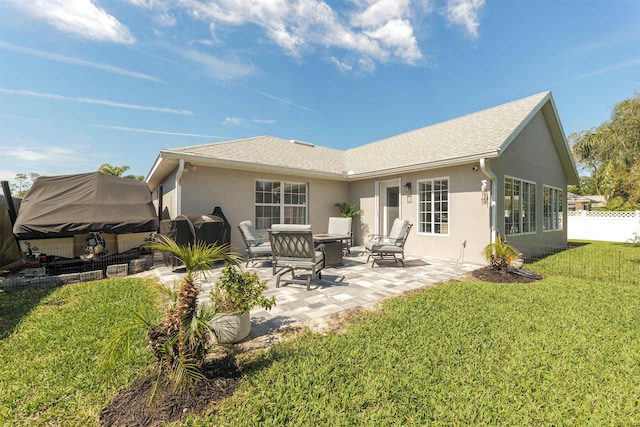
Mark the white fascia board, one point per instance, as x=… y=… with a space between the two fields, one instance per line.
x=252 y=166
x=422 y=166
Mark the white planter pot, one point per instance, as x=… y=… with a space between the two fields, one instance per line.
x=230 y=328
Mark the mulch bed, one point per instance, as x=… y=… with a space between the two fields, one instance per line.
x=132 y=408
x=486 y=274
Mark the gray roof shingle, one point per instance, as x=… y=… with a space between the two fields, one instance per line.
x=479 y=134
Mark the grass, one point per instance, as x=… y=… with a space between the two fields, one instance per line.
x=49 y=353
x=561 y=351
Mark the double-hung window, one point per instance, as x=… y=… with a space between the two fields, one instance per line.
x=519 y=206
x=433 y=206
x=279 y=202
x=553 y=200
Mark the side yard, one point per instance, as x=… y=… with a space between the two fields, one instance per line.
x=564 y=350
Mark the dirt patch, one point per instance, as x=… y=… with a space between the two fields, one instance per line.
x=486 y=274
x=131 y=407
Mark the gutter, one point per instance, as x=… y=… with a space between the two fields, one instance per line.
x=179 y=188
x=484 y=166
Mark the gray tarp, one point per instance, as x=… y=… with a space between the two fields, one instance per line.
x=61 y=206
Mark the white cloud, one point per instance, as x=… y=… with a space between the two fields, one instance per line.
x=465 y=13
x=381 y=30
x=162 y=15
x=233 y=121
x=79 y=17
x=159 y=132
x=223 y=69
x=237 y=121
x=75 y=61
x=342 y=66
x=105 y=102
x=282 y=100
x=45 y=159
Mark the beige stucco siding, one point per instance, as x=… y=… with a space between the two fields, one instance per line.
x=468 y=217
x=234 y=191
x=532 y=156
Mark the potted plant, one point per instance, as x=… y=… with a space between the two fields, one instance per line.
x=234 y=295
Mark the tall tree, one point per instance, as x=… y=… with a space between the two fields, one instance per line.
x=23 y=183
x=611 y=153
x=109 y=169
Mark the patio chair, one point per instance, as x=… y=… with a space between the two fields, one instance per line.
x=258 y=248
x=387 y=247
x=293 y=249
x=341 y=226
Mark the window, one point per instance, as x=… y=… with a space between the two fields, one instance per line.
x=519 y=206
x=433 y=206
x=280 y=203
x=553 y=200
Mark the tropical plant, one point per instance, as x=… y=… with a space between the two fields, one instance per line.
x=501 y=255
x=180 y=342
x=239 y=291
x=347 y=210
x=109 y=169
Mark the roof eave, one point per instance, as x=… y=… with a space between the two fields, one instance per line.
x=198 y=160
x=422 y=166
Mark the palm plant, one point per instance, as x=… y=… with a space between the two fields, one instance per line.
x=347 y=210
x=500 y=254
x=180 y=341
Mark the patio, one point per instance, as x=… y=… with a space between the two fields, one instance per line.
x=354 y=284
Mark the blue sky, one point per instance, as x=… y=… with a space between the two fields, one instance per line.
x=86 y=82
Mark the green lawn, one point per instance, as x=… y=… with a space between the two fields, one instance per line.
x=49 y=351
x=562 y=351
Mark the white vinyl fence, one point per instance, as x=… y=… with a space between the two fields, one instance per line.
x=607 y=226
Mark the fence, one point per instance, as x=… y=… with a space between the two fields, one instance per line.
x=608 y=263
x=606 y=226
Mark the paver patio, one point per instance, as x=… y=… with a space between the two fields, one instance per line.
x=354 y=284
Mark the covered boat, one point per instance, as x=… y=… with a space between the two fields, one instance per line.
x=61 y=213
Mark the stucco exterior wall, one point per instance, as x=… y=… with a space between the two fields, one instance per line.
x=168 y=195
x=532 y=156
x=234 y=191
x=468 y=216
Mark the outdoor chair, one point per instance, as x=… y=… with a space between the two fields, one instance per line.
x=258 y=248
x=293 y=249
x=388 y=247
x=341 y=226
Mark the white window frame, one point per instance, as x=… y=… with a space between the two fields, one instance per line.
x=432 y=202
x=530 y=207
x=281 y=201
x=555 y=208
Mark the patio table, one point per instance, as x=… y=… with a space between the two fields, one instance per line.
x=332 y=247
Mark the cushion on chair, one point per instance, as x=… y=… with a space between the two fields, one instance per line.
x=340 y=226
x=250 y=233
x=291 y=227
x=398 y=230
x=374 y=246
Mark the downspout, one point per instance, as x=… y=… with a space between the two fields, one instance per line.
x=484 y=165
x=178 y=188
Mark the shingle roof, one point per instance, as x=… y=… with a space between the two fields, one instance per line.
x=475 y=134
x=269 y=150
x=480 y=134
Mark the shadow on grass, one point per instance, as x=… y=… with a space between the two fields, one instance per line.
x=15 y=305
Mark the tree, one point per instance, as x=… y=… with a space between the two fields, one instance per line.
x=23 y=183
x=109 y=169
x=611 y=153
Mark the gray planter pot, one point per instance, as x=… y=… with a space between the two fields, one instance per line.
x=230 y=328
